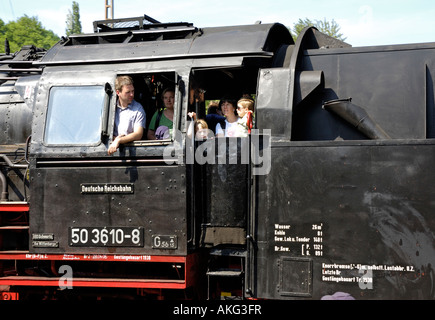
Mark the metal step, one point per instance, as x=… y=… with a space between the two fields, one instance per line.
x=224 y=273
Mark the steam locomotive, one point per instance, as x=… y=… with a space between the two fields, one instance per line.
x=332 y=192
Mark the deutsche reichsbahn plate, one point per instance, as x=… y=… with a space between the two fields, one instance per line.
x=106 y=237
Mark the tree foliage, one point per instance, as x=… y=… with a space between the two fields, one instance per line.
x=26 y=31
x=73 y=24
x=331 y=28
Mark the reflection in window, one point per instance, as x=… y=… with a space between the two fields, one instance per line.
x=74 y=115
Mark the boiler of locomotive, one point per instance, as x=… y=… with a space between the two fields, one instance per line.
x=16 y=109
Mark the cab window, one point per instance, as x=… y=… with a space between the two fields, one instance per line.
x=75 y=115
x=149 y=92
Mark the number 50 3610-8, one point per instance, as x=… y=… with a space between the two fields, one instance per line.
x=106 y=236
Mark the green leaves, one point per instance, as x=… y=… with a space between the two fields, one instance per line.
x=73 y=24
x=331 y=28
x=26 y=31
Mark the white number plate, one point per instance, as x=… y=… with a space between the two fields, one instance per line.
x=106 y=237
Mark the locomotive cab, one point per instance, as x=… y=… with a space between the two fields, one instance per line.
x=150 y=205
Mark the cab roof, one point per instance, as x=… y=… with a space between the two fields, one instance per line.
x=130 y=40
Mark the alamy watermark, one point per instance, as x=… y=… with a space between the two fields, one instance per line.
x=66 y=280
x=254 y=149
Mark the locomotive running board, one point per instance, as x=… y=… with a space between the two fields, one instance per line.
x=93 y=282
x=111 y=282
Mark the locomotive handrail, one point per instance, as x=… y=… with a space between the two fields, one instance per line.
x=4 y=194
x=11 y=164
x=101 y=26
x=20 y=70
x=3 y=180
x=100 y=162
x=12 y=62
x=236 y=54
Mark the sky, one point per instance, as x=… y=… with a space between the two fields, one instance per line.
x=362 y=23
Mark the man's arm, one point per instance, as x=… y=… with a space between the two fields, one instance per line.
x=135 y=135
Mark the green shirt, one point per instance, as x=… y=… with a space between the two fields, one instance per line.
x=163 y=122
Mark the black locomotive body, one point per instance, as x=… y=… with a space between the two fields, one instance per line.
x=331 y=192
